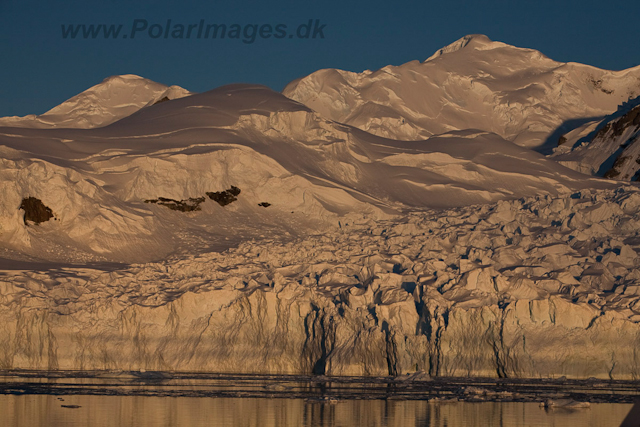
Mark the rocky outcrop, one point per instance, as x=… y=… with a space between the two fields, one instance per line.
x=35 y=211
x=189 y=205
x=626 y=132
x=164 y=99
x=612 y=151
x=225 y=197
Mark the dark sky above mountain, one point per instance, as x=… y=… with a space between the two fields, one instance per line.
x=265 y=43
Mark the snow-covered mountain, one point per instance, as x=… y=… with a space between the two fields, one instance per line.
x=610 y=148
x=116 y=97
x=520 y=94
x=309 y=169
x=239 y=230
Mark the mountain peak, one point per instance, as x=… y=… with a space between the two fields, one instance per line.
x=475 y=41
x=110 y=100
x=472 y=83
x=124 y=77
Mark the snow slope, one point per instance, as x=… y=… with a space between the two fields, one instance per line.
x=116 y=97
x=311 y=170
x=520 y=94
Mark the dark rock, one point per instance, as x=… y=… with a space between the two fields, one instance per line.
x=225 y=197
x=562 y=140
x=165 y=99
x=35 y=210
x=189 y=205
x=597 y=84
x=264 y=204
x=617 y=127
x=614 y=172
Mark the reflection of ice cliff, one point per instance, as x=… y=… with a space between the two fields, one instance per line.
x=37 y=411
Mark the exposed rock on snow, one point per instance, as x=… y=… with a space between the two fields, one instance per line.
x=35 y=211
x=165 y=99
x=189 y=205
x=536 y=287
x=612 y=150
x=223 y=198
x=476 y=83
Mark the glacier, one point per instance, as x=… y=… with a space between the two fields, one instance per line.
x=543 y=286
x=386 y=223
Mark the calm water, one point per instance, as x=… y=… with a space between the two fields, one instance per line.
x=143 y=411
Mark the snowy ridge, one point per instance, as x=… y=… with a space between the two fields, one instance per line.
x=116 y=97
x=474 y=41
x=310 y=170
x=537 y=287
x=520 y=94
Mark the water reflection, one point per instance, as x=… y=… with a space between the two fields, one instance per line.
x=143 y=411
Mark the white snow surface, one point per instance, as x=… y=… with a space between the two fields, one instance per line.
x=111 y=100
x=312 y=171
x=475 y=82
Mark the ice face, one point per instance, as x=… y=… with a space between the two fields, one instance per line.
x=537 y=287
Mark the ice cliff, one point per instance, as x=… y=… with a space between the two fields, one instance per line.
x=536 y=287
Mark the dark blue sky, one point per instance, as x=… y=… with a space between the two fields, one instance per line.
x=39 y=69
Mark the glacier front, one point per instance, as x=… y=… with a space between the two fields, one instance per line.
x=537 y=287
